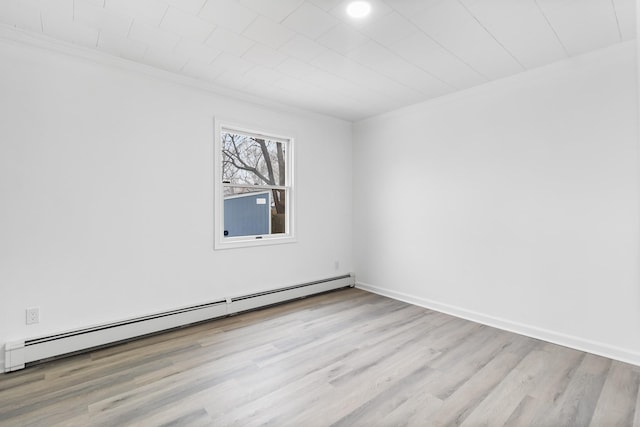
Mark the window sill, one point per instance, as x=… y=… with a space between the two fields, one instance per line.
x=244 y=242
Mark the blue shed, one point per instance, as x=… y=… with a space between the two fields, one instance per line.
x=247 y=214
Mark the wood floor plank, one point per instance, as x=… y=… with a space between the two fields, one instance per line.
x=617 y=403
x=524 y=414
x=345 y=358
x=417 y=410
x=636 y=415
x=465 y=399
x=577 y=403
x=503 y=400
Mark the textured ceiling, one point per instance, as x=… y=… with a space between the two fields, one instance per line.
x=309 y=54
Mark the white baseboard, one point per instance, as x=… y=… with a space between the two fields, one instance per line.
x=598 y=348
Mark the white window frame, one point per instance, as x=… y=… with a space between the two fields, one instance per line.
x=222 y=242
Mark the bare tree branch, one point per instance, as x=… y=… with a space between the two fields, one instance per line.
x=281 y=165
x=248 y=168
x=267 y=159
x=236 y=155
x=246 y=157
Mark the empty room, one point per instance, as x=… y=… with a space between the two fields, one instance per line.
x=319 y=213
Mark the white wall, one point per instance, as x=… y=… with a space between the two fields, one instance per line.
x=106 y=183
x=514 y=203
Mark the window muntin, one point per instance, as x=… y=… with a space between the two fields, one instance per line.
x=254 y=183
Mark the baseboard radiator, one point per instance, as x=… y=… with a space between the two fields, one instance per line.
x=20 y=353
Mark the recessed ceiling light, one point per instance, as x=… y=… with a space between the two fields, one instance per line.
x=358 y=9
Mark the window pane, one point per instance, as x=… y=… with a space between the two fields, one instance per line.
x=253 y=212
x=252 y=160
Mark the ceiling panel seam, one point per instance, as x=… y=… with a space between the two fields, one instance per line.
x=442 y=46
x=475 y=18
x=615 y=13
x=555 y=33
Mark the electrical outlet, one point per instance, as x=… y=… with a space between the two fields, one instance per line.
x=33 y=315
x=336 y=265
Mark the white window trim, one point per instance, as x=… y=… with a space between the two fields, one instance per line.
x=222 y=242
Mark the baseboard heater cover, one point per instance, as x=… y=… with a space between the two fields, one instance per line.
x=21 y=352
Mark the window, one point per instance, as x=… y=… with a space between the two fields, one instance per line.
x=253 y=188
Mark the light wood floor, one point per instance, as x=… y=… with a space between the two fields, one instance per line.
x=345 y=358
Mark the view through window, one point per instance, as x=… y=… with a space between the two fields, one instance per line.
x=256 y=185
